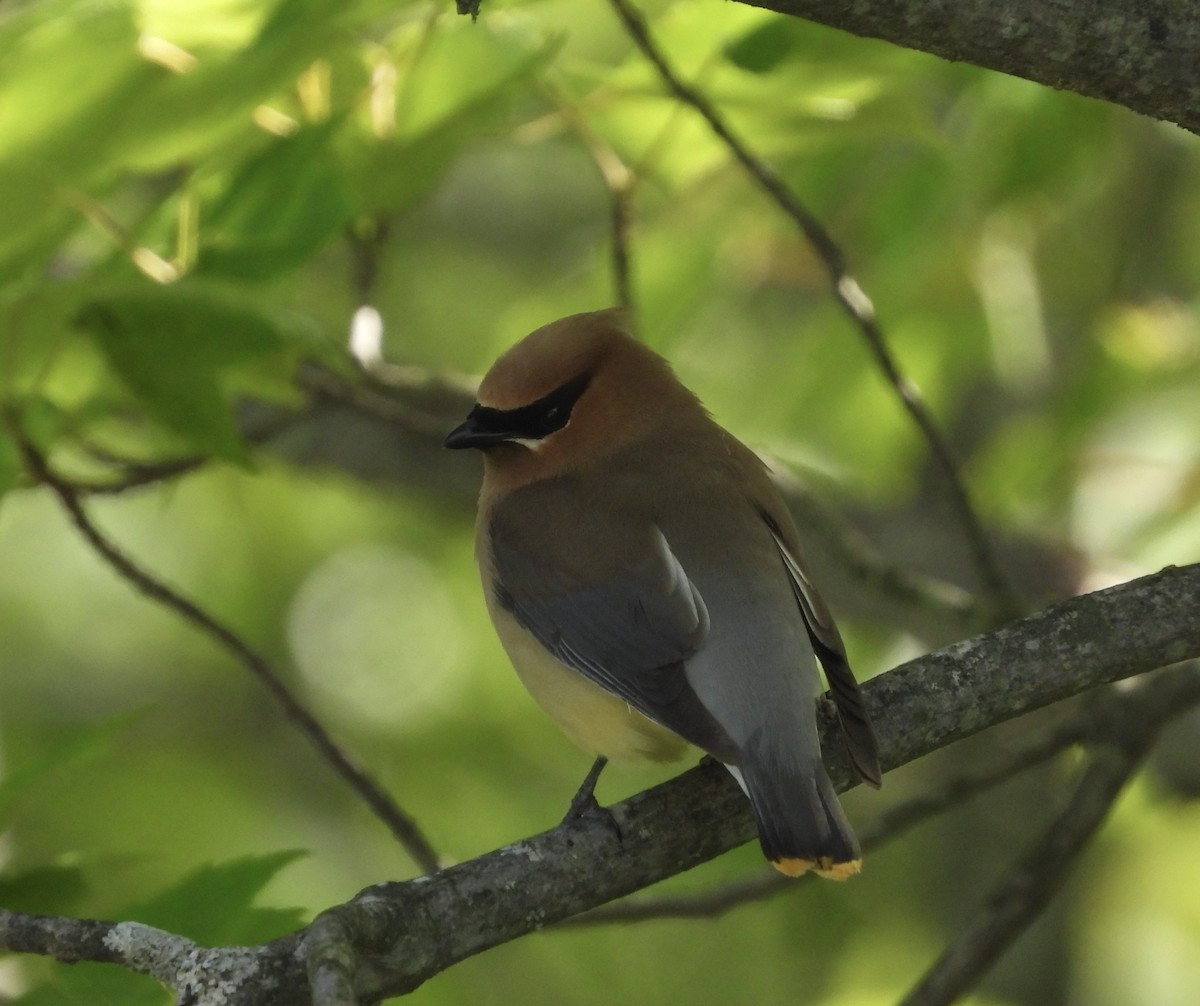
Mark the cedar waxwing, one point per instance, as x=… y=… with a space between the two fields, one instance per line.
x=644 y=576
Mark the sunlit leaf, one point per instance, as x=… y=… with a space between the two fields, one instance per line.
x=197 y=111
x=454 y=82
x=66 y=66
x=69 y=71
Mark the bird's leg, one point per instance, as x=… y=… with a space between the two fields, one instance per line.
x=584 y=804
x=584 y=800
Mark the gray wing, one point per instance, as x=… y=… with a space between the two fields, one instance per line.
x=604 y=593
x=827 y=642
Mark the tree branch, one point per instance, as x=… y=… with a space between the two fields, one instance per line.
x=405 y=933
x=1140 y=55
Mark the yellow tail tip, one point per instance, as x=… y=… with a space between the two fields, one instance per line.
x=823 y=867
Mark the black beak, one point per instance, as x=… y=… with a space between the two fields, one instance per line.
x=474 y=432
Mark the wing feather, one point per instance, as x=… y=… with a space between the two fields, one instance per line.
x=604 y=593
x=831 y=651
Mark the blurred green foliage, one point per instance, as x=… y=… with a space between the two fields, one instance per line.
x=195 y=197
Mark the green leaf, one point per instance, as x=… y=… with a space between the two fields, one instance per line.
x=48 y=890
x=88 y=983
x=83 y=743
x=212 y=905
x=457 y=84
x=191 y=114
x=281 y=207
x=763 y=48
x=391 y=174
x=64 y=65
x=461 y=69
x=84 y=105
x=29 y=204
x=179 y=347
x=69 y=72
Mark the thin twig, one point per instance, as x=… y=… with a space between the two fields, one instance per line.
x=132 y=474
x=622 y=222
x=958 y=789
x=375 y=395
x=403 y=827
x=138 y=475
x=367 y=242
x=848 y=294
x=621 y=182
x=1129 y=724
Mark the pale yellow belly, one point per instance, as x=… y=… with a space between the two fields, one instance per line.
x=596 y=720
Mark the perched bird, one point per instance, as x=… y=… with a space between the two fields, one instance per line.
x=644 y=576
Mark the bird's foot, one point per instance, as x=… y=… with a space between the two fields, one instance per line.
x=584 y=803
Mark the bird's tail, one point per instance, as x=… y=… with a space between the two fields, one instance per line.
x=801 y=825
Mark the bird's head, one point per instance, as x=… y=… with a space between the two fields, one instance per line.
x=577 y=389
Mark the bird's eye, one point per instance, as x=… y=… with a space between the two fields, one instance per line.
x=550 y=414
x=554 y=417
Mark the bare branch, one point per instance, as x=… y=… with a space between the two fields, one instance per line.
x=197 y=974
x=66 y=940
x=402 y=826
x=387 y=394
x=849 y=295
